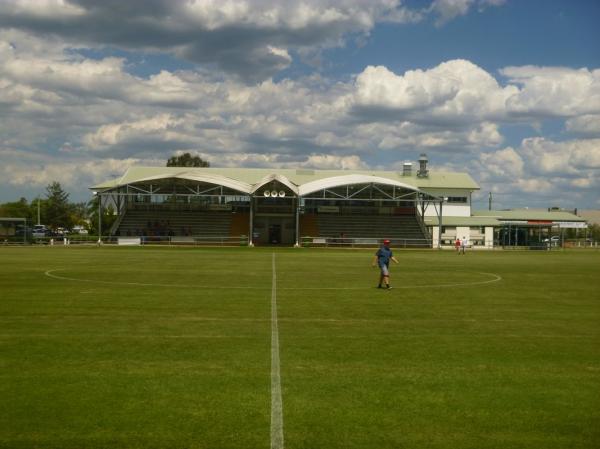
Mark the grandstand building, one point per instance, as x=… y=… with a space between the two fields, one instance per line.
x=413 y=207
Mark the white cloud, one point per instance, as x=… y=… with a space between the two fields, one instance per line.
x=584 y=124
x=540 y=170
x=585 y=154
x=251 y=38
x=159 y=127
x=456 y=91
x=505 y=164
x=570 y=157
x=553 y=91
x=31 y=170
x=534 y=185
x=446 y=10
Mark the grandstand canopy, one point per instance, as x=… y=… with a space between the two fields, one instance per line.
x=300 y=181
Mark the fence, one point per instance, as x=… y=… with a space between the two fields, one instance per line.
x=366 y=242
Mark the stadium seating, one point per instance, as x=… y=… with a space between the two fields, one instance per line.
x=394 y=227
x=175 y=223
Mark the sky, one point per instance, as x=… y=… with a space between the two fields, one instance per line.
x=505 y=90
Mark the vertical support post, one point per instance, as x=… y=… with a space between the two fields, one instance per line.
x=99 y=218
x=297 y=244
x=440 y=225
x=251 y=229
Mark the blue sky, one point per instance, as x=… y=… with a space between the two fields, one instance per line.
x=508 y=91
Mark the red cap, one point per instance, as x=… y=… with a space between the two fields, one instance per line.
x=386 y=242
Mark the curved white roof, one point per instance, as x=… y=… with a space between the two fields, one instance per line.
x=300 y=182
x=201 y=177
x=275 y=177
x=337 y=181
x=245 y=179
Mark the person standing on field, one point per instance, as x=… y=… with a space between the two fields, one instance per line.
x=463 y=244
x=457 y=244
x=382 y=259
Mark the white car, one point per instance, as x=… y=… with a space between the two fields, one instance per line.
x=79 y=230
x=554 y=240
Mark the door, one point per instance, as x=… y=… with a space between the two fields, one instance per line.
x=275 y=234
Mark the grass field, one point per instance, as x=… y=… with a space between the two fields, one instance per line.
x=171 y=348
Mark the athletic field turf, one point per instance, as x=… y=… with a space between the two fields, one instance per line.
x=257 y=348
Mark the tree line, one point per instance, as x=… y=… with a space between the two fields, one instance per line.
x=55 y=210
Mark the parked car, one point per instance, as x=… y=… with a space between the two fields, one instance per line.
x=41 y=231
x=79 y=230
x=553 y=241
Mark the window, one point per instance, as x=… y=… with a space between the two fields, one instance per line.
x=457 y=199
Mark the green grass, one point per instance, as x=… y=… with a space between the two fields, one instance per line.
x=170 y=348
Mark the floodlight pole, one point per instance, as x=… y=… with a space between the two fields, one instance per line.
x=38 y=198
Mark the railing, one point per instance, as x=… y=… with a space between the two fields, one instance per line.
x=362 y=242
x=241 y=240
x=75 y=239
x=424 y=228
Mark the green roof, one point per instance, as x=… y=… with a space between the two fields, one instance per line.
x=528 y=215
x=463 y=221
x=435 y=180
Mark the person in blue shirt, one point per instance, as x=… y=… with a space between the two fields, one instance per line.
x=382 y=259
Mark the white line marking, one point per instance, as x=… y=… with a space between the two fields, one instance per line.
x=496 y=278
x=50 y=274
x=276 y=401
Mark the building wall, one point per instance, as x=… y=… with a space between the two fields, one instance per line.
x=489 y=236
x=450 y=209
x=476 y=237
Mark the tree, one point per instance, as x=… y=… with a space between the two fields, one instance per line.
x=58 y=208
x=79 y=213
x=594 y=231
x=187 y=160
x=108 y=216
x=19 y=209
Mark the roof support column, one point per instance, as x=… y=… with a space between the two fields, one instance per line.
x=251 y=229
x=99 y=218
x=297 y=214
x=440 y=224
